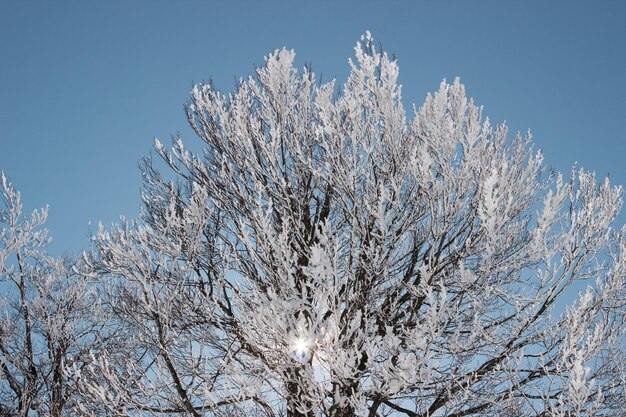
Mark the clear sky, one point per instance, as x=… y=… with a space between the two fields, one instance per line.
x=85 y=86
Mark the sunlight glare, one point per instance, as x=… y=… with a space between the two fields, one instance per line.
x=300 y=350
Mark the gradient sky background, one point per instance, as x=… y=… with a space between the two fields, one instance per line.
x=86 y=86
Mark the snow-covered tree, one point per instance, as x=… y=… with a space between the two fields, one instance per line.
x=47 y=316
x=327 y=255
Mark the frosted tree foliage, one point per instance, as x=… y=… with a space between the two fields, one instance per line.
x=47 y=316
x=328 y=255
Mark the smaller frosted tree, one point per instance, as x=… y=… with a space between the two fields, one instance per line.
x=47 y=312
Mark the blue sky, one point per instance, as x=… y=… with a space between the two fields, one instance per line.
x=86 y=86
